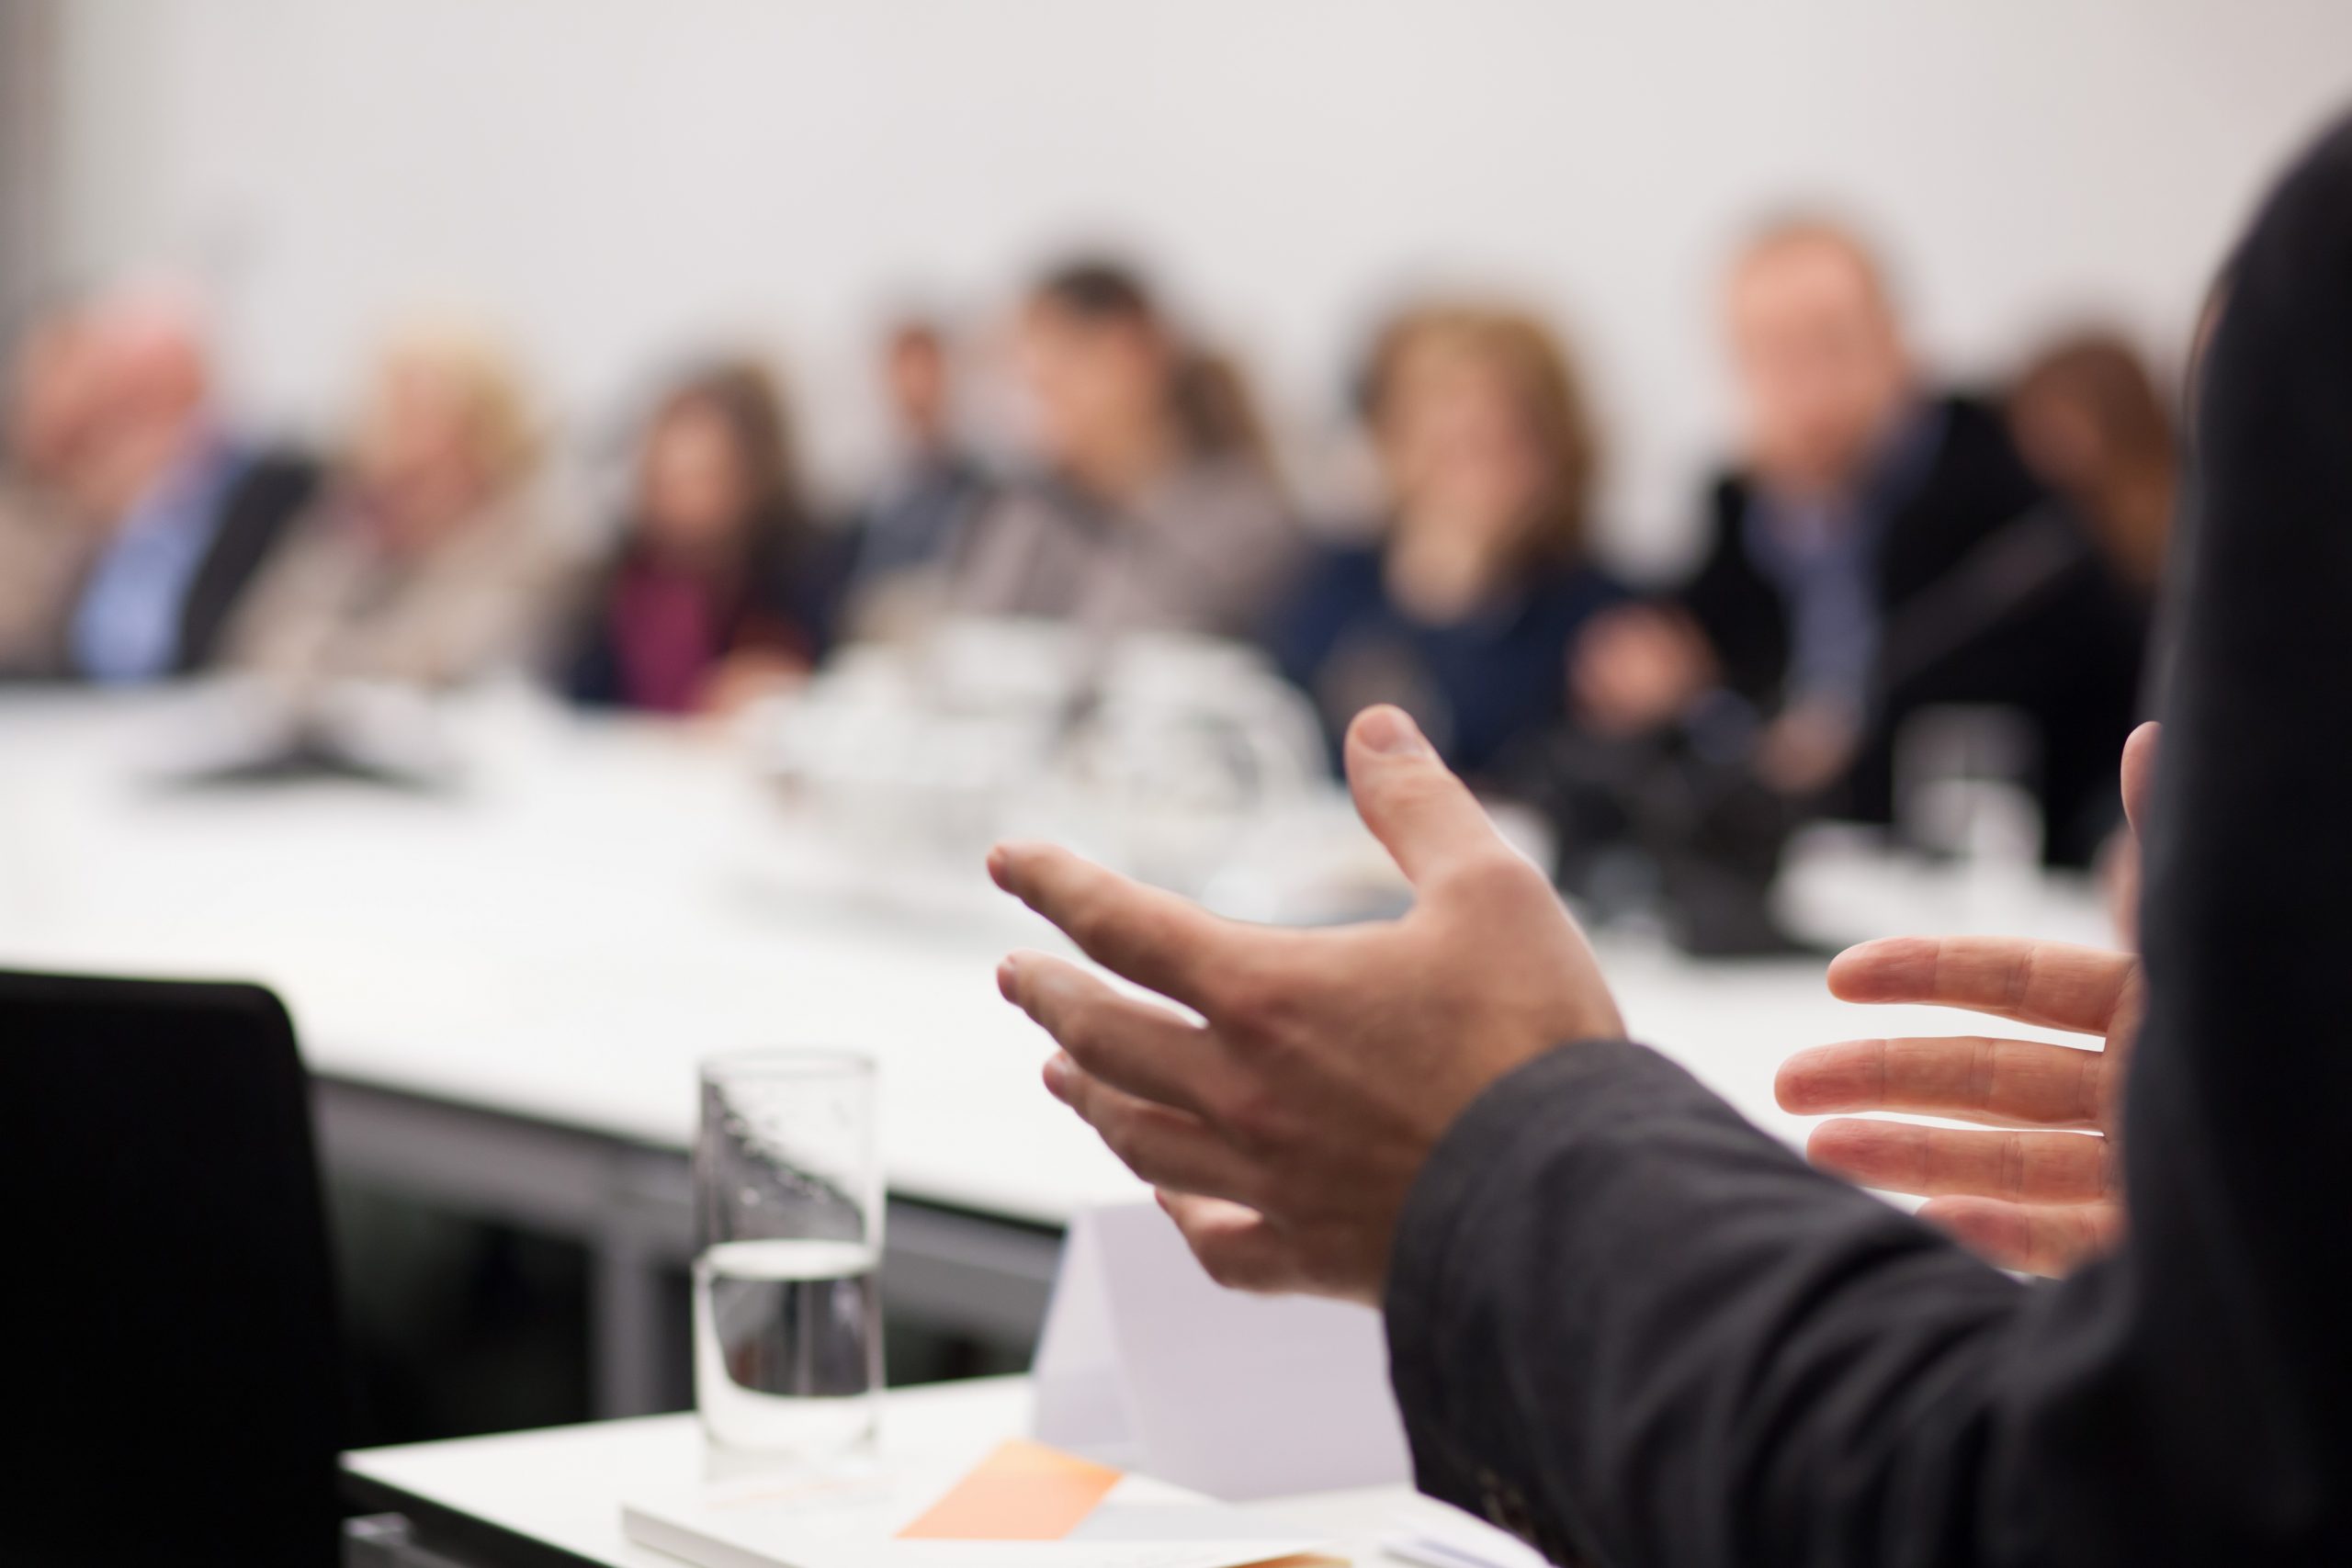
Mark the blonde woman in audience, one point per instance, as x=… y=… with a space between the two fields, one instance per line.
x=1463 y=609
x=426 y=561
x=1156 y=506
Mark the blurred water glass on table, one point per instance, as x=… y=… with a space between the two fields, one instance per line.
x=789 y=1209
x=1160 y=754
x=1965 y=777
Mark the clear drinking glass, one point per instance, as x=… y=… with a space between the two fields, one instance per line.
x=789 y=1249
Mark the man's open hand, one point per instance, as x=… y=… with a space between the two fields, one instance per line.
x=2044 y=1192
x=2040 y=1195
x=1284 y=1128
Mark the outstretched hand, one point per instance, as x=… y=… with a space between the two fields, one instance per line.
x=2043 y=1192
x=1284 y=1127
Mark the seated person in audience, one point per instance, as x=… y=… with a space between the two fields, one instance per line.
x=2088 y=418
x=43 y=552
x=1464 y=610
x=1881 y=550
x=2092 y=426
x=425 y=562
x=185 y=514
x=909 y=535
x=1156 y=507
x=717 y=591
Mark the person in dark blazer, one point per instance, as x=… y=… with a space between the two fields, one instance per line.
x=719 y=588
x=184 y=513
x=1635 y=1329
x=1880 y=550
x=1464 y=607
x=911 y=529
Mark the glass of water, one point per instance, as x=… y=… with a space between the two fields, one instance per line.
x=788 y=1249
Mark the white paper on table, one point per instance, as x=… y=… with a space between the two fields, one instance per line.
x=854 y=1522
x=1147 y=1364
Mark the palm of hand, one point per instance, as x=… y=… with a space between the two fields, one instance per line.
x=2042 y=1192
x=1284 y=1120
x=2046 y=1193
x=1487 y=973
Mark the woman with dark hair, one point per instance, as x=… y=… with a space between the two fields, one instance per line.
x=716 y=592
x=1463 y=609
x=1156 y=506
x=2091 y=422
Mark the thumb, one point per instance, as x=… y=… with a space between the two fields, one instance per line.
x=2139 y=775
x=1422 y=814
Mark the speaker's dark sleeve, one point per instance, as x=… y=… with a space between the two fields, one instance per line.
x=1635 y=1328
x=1628 y=1324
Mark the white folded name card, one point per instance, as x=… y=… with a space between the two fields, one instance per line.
x=1147 y=1364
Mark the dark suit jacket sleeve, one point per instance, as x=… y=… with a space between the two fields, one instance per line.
x=1628 y=1322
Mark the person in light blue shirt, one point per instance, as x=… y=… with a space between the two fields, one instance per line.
x=184 y=516
x=126 y=626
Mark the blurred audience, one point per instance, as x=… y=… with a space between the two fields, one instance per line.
x=717 y=591
x=1881 y=548
x=2088 y=418
x=1463 y=610
x=184 y=512
x=909 y=537
x=42 y=551
x=1156 y=507
x=426 y=561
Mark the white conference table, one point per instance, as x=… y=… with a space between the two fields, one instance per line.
x=504 y=990
x=554 y=1496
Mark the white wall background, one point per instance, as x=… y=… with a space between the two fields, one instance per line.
x=622 y=180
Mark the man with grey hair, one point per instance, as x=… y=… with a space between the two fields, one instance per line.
x=185 y=513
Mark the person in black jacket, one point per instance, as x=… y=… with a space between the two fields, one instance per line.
x=1882 y=551
x=1638 y=1330
x=912 y=530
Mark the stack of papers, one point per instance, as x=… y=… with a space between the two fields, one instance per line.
x=1021 y=1502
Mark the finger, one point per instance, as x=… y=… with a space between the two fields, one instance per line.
x=2005 y=1082
x=1133 y=1046
x=2139 y=775
x=1153 y=938
x=1239 y=1246
x=1163 y=1146
x=1422 y=815
x=2034 y=1239
x=2054 y=984
x=1936 y=1162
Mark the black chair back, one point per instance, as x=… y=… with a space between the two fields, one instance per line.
x=169 y=1371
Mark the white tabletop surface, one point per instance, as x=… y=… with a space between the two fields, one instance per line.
x=564 y=1485
x=606 y=902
